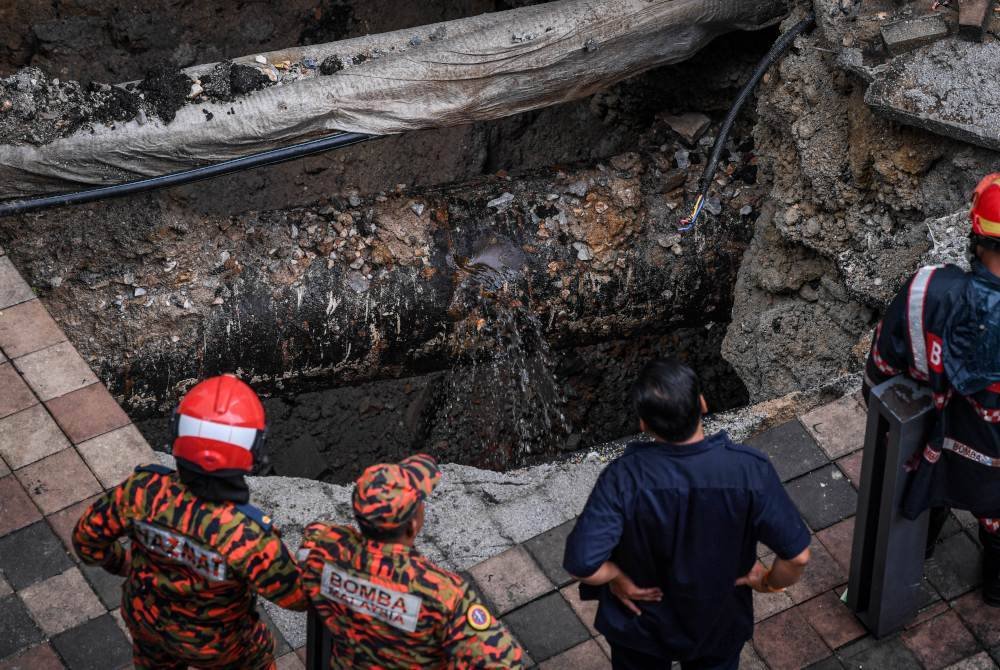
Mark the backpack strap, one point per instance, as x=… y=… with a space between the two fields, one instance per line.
x=153 y=467
x=248 y=510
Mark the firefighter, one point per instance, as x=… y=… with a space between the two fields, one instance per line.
x=386 y=605
x=943 y=330
x=198 y=552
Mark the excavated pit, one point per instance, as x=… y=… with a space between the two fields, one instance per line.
x=486 y=293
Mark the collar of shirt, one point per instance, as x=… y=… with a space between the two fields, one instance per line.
x=709 y=442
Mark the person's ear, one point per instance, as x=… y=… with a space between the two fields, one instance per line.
x=704 y=404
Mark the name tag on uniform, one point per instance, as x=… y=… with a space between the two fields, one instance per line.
x=162 y=542
x=397 y=609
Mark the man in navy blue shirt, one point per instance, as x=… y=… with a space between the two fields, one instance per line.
x=667 y=541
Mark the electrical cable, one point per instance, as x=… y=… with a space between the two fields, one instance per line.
x=269 y=157
x=705 y=182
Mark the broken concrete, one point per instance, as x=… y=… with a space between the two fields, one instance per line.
x=908 y=34
x=949 y=88
x=974 y=18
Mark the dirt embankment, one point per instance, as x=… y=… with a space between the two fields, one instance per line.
x=850 y=194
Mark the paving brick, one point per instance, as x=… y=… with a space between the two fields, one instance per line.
x=838 y=540
x=940 y=641
x=96 y=645
x=61 y=602
x=851 y=466
x=55 y=371
x=107 y=586
x=586 y=610
x=586 y=656
x=16 y=508
x=766 y=605
x=26 y=328
x=887 y=654
x=791 y=449
x=14 y=393
x=87 y=413
x=5 y=588
x=980 y=661
x=64 y=521
x=290 y=661
x=39 y=657
x=831 y=618
x=58 y=481
x=839 y=427
x=17 y=630
x=954 y=569
x=4 y=470
x=547 y=549
x=510 y=580
x=787 y=642
x=605 y=646
x=927 y=613
x=547 y=627
x=13 y=289
x=29 y=436
x=749 y=660
x=120 y=622
x=822 y=574
x=980 y=618
x=32 y=555
x=114 y=456
x=281 y=646
x=824 y=497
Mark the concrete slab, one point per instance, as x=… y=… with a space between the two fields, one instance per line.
x=908 y=34
x=29 y=436
x=949 y=88
x=62 y=602
x=115 y=455
x=55 y=371
x=13 y=289
x=27 y=327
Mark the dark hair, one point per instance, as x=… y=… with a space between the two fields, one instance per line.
x=667 y=397
x=977 y=242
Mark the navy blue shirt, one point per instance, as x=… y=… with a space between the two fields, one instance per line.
x=685 y=518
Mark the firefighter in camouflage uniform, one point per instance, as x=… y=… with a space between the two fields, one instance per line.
x=198 y=552
x=387 y=606
x=943 y=330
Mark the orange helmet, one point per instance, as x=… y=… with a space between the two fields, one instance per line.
x=985 y=212
x=219 y=426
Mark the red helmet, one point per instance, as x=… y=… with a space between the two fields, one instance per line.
x=219 y=426
x=985 y=212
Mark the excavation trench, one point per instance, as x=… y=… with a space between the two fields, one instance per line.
x=485 y=293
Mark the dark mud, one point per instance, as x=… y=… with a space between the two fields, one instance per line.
x=334 y=433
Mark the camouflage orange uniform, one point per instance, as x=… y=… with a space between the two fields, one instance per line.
x=386 y=605
x=194 y=569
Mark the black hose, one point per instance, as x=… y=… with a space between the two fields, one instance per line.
x=269 y=157
x=705 y=183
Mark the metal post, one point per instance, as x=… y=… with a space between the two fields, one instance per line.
x=317 y=643
x=887 y=560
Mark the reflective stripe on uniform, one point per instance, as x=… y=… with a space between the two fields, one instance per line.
x=966 y=451
x=915 y=319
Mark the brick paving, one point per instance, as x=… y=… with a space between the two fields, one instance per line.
x=63 y=439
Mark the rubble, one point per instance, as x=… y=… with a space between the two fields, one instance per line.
x=689 y=126
x=909 y=33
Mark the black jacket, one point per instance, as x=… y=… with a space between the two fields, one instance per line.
x=938 y=331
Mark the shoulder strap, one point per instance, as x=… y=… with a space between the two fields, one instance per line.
x=249 y=511
x=916 y=301
x=152 y=467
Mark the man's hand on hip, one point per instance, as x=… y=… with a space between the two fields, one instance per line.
x=626 y=591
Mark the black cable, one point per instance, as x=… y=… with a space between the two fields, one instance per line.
x=705 y=183
x=269 y=157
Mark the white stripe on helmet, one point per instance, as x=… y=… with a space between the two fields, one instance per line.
x=188 y=426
